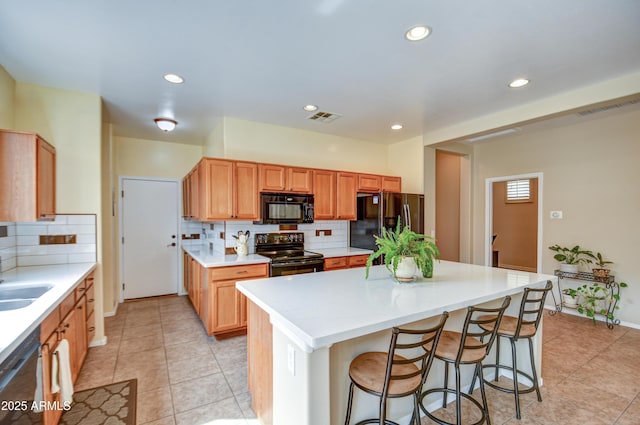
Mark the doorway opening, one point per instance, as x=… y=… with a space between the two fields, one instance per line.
x=513 y=222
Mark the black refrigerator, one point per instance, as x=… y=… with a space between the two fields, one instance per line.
x=376 y=210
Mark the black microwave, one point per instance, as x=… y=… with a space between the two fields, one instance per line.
x=286 y=208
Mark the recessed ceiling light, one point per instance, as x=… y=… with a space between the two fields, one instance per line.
x=396 y=127
x=520 y=82
x=418 y=33
x=165 y=124
x=174 y=78
x=310 y=108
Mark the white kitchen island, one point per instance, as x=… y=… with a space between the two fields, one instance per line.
x=304 y=330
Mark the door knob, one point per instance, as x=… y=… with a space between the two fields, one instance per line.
x=172 y=244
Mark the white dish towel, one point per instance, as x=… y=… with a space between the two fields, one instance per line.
x=37 y=396
x=61 y=372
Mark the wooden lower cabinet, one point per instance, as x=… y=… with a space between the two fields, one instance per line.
x=222 y=308
x=348 y=262
x=74 y=320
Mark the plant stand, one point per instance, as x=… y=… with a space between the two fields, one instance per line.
x=609 y=283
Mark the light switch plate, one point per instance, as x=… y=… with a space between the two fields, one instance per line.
x=555 y=215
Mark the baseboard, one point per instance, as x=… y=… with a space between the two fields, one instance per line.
x=99 y=342
x=111 y=313
x=599 y=318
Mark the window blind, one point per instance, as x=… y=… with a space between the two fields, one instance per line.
x=519 y=190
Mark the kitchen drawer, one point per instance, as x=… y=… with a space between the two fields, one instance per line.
x=239 y=272
x=89 y=280
x=67 y=304
x=80 y=289
x=335 y=263
x=49 y=324
x=91 y=301
x=358 y=260
x=91 y=327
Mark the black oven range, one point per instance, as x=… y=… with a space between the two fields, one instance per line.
x=287 y=254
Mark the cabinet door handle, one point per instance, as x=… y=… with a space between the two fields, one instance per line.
x=82 y=289
x=91 y=329
x=242 y=272
x=90 y=300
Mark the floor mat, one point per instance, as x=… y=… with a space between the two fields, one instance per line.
x=113 y=404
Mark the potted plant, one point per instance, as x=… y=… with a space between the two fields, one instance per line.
x=404 y=251
x=571 y=258
x=570 y=298
x=596 y=299
x=600 y=271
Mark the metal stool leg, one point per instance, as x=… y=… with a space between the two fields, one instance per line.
x=485 y=405
x=514 y=364
x=349 y=404
x=534 y=374
x=458 y=397
x=497 y=356
x=446 y=385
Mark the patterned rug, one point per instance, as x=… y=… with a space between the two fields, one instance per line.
x=113 y=404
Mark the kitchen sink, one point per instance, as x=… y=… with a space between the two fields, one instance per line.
x=6 y=305
x=18 y=292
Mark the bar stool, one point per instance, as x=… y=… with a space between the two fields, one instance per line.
x=391 y=375
x=466 y=348
x=525 y=326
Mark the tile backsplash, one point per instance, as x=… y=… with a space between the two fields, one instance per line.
x=22 y=246
x=317 y=235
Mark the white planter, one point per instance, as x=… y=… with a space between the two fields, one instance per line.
x=569 y=268
x=569 y=301
x=406 y=270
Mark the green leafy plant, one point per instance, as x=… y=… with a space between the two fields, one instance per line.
x=595 y=299
x=600 y=262
x=404 y=242
x=575 y=255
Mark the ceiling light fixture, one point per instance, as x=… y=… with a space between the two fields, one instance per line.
x=174 y=78
x=165 y=124
x=396 y=127
x=520 y=82
x=310 y=108
x=417 y=33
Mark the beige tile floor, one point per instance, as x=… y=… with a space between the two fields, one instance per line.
x=591 y=374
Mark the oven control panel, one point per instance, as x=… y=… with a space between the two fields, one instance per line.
x=279 y=238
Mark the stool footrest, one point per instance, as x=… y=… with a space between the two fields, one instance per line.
x=451 y=391
x=492 y=384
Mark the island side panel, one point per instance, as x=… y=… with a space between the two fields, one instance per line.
x=301 y=383
x=260 y=363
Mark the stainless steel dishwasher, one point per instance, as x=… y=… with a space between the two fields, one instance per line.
x=18 y=380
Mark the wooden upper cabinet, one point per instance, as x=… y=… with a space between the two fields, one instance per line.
x=280 y=178
x=324 y=193
x=246 y=191
x=369 y=183
x=27 y=176
x=228 y=190
x=391 y=184
x=346 y=185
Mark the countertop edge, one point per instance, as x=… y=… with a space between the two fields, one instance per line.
x=43 y=313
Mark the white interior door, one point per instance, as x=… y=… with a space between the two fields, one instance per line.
x=149 y=238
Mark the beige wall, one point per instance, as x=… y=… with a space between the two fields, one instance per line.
x=405 y=159
x=590 y=172
x=7 y=99
x=72 y=122
x=283 y=145
x=152 y=158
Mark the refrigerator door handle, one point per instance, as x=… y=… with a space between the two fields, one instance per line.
x=407 y=215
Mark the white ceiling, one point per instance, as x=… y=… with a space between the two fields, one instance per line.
x=262 y=60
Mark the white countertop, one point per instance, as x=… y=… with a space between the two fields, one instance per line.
x=319 y=309
x=15 y=325
x=341 y=252
x=202 y=254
